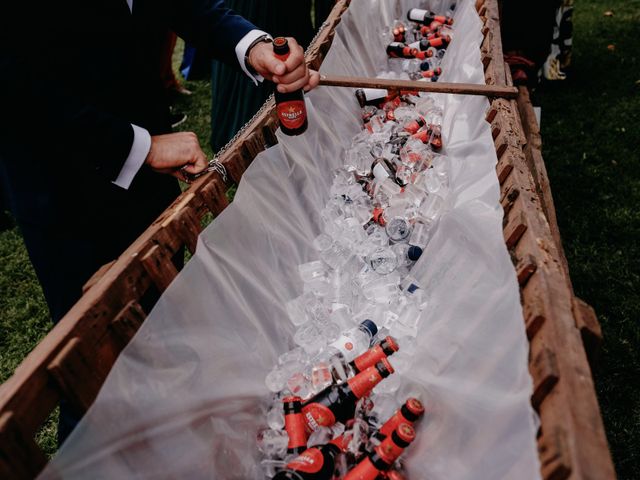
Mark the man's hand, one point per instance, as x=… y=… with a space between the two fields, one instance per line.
x=291 y=75
x=173 y=152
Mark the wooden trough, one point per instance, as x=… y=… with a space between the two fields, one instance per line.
x=74 y=359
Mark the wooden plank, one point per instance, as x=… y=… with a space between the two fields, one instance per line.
x=590 y=330
x=515 y=228
x=97 y=276
x=76 y=376
x=434 y=87
x=157 y=262
x=525 y=268
x=535 y=162
x=544 y=371
x=571 y=404
x=553 y=448
x=20 y=456
x=214 y=196
x=128 y=322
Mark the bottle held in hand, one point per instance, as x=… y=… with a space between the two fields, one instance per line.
x=290 y=107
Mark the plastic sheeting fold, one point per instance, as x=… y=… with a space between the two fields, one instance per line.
x=186 y=397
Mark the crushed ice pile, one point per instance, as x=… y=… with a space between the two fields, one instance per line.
x=361 y=304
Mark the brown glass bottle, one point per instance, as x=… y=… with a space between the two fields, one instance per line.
x=425 y=17
x=315 y=463
x=410 y=412
x=337 y=403
x=341 y=370
x=290 y=107
x=294 y=425
x=384 y=455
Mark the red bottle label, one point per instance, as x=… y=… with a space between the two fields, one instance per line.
x=294 y=424
x=317 y=415
x=365 y=470
x=292 y=114
x=369 y=358
x=310 y=461
x=388 y=450
x=364 y=382
x=391 y=424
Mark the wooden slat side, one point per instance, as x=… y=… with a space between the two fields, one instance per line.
x=590 y=330
x=20 y=457
x=586 y=454
x=97 y=276
x=538 y=169
x=70 y=365
x=127 y=323
x=157 y=262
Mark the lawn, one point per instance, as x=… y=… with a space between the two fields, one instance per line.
x=591 y=135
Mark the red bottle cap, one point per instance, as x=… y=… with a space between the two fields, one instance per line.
x=415 y=406
x=405 y=432
x=291 y=399
x=281 y=48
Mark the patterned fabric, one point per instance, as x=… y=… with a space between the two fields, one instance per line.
x=559 y=58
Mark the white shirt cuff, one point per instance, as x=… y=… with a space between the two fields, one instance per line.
x=137 y=156
x=241 y=52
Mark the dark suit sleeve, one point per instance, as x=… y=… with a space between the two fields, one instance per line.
x=42 y=111
x=210 y=26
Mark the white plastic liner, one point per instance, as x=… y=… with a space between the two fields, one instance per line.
x=186 y=397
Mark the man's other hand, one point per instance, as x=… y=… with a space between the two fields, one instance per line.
x=291 y=75
x=172 y=152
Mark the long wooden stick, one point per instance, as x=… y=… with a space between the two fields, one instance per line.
x=435 y=87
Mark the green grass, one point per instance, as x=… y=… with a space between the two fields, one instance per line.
x=591 y=137
x=590 y=133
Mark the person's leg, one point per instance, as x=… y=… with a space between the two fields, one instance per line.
x=63 y=264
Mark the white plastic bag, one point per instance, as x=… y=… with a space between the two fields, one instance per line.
x=186 y=397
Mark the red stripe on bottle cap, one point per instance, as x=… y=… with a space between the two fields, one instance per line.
x=415 y=406
x=292 y=399
x=406 y=432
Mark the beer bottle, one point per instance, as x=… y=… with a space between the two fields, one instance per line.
x=290 y=107
x=376 y=354
x=410 y=412
x=425 y=17
x=384 y=455
x=371 y=96
x=337 y=403
x=294 y=424
x=399 y=33
x=391 y=475
x=401 y=50
x=315 y=463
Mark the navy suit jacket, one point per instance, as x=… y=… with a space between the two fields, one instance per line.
x=74 y=75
